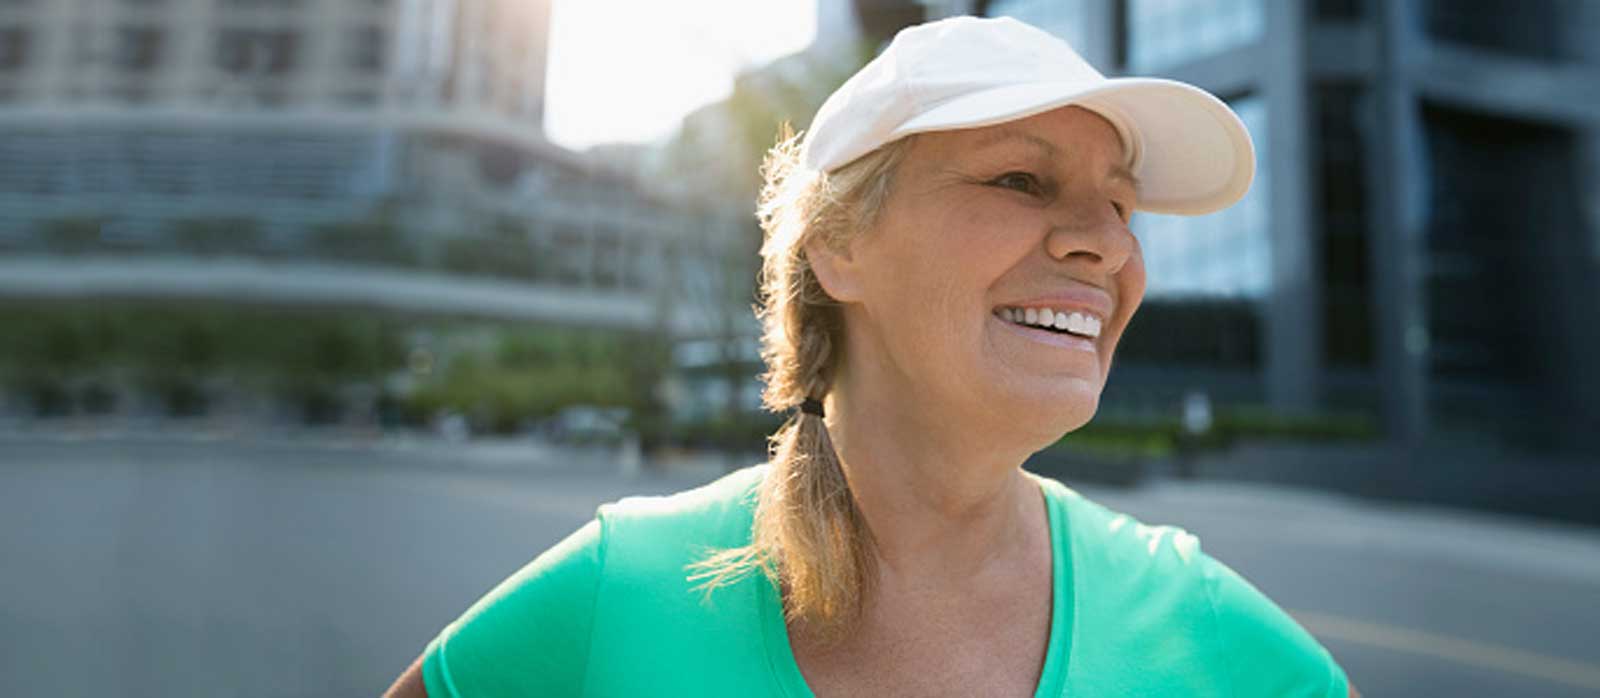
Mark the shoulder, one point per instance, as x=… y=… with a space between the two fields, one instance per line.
x=1105 y=537
x=1151 y=590
x=538 y=631
x=718 y=496
x=527 y=635
x=657 y=631
x=716 y=514
x=1283 y=657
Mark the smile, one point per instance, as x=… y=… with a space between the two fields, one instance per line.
x=1074 y=322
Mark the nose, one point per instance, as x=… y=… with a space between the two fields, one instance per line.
x=1101 y=240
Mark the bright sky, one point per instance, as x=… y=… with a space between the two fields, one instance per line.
x=629 y=70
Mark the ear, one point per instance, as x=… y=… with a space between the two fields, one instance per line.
x=836 y=270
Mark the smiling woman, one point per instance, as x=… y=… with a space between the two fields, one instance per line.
x=973 y=229
x=946 y=273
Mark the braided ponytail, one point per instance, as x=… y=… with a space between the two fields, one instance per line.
x=809 y=537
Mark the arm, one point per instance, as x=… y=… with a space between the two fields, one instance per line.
x=409 y=685
x=1353 y=692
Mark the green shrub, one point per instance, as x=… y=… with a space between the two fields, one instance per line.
x=1232 y=423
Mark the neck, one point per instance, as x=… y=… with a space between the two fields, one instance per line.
x=944 y=503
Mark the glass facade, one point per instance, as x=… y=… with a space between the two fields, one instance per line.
x=1477 y=277
x=1164 y=33
x=208 y=166
x=1499 y=284
x=13 y=49
x=1551 y=30
x=1224 y=254
x=1509 y=282
x=1340 y=9
x=1341 y=222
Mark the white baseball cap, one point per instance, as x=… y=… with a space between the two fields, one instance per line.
x=1188 y=149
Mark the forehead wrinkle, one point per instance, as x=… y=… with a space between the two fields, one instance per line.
x=1007 y=134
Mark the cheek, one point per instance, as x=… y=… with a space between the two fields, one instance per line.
x=951 y=257
x=984 y=243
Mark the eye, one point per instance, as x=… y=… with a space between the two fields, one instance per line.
x=1122 y=211
x=1019 y=181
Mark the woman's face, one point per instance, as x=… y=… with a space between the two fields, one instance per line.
x=985 y=231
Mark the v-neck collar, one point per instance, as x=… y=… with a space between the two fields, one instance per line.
x=1052 y=679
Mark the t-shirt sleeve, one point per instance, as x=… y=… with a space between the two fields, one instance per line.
x=529 y=636
x=1268 y=653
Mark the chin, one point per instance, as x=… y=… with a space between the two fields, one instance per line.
x=1056 y=418
x=1076 y=419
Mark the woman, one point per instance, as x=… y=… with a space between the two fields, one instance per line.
x=946 y=273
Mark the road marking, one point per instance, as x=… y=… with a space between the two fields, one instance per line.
x=1453 y=649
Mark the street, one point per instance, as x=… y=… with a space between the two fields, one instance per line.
x=180 y=568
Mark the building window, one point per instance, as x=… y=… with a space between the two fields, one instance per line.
x=13 y=48
x=1496 y=220
x=1224 y=254
x=233 y=51
x=366 y=49
x=138 y=49
x=1342 y=10
x=256 y=51
x=1342 y=220
x=1553 y=30
x=1164 y=33
x=358 y=98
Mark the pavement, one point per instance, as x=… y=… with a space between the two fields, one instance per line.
x=259 y=567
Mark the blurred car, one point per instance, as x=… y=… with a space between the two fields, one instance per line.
x=586 y=424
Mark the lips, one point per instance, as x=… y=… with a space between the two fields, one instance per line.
x=1052 y=338
x=1074 y=322
x=1078 y=309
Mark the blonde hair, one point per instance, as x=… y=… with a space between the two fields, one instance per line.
x=808 y=536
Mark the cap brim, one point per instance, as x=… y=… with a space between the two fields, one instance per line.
x=1189 y=150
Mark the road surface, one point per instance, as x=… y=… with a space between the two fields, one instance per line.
x=184 y=568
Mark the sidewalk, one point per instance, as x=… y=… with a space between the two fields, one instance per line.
x=1461 y=476
x=1551 y=549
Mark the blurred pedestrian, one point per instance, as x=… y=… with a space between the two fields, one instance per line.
x=946 y=272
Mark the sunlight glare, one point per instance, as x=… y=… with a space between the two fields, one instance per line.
x=629 y=70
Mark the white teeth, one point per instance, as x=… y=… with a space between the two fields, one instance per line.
x=1076 y=322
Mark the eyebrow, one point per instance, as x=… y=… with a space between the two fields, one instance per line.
x=1005 y=135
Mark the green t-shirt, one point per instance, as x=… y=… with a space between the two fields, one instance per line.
x=1138 y=611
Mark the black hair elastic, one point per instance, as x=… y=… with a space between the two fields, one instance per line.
x=811 y=406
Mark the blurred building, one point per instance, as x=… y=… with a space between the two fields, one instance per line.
x=1423 y=236
x=382 y=137
x=724 y=143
